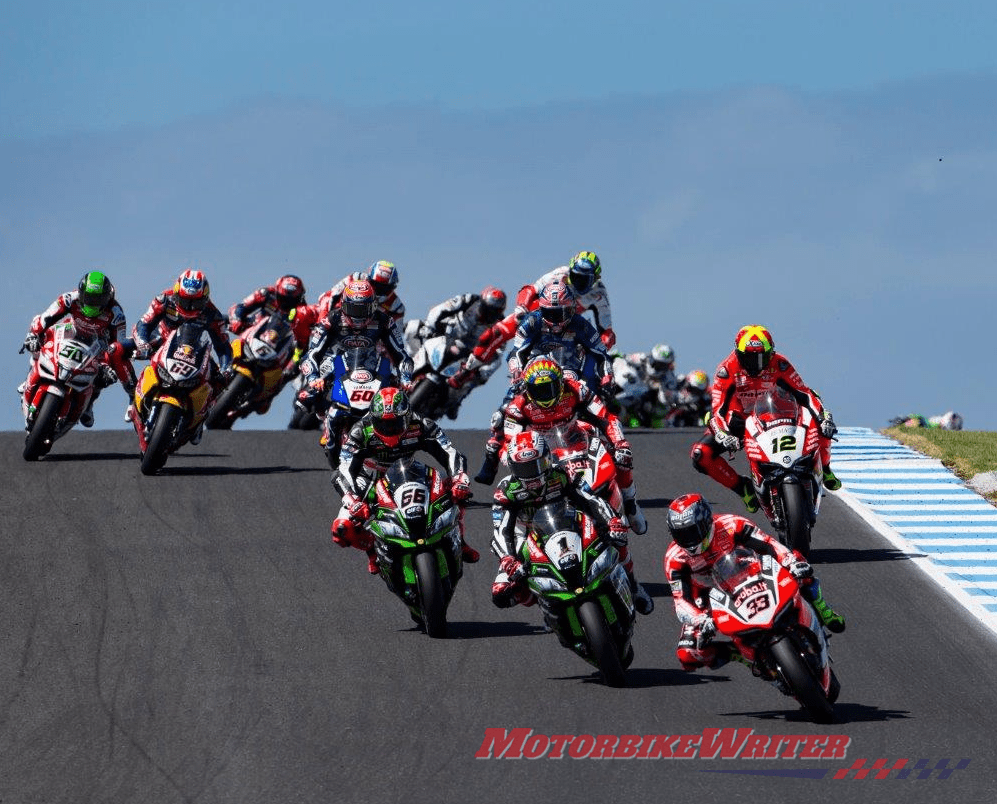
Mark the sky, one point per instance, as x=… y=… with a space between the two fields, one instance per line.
x=826 y=169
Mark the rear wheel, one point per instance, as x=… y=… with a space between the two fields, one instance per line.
x=794 y=669
x=238 y=391
x=602 y=647
x=158 y=448
x=431 y=598
x=39 y=440
x=797 y=509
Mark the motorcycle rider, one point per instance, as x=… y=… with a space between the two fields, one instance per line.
x=583 y=275
x=535 y=480
x=382 y=275
x=286 y=297
x=700 y=539
x=751 y=369
x=657 y=368
x=95 y=313
x=359 y=320
x=388 y=431
x=462 y=319
x=549 y=399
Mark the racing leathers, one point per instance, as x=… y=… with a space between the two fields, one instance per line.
x=733 y=392
x=163 y=316
x=334 y=335
x=366 y=457
x=595 y=300
x=576 y=400
x=689 y=576
x=575 y=345
x=513 y=508
x=109 y=326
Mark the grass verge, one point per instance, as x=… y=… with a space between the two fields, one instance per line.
x=966 y=452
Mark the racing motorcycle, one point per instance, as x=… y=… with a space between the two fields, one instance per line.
x=173 y=395
x=756 y=602
x=353 y=378
x=582 y=588
x=69 y=363
x=258 y=358
x=781 y=442
x=416 y=528
x=628 y=402
x=437 y=360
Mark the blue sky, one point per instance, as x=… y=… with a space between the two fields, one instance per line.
x=825 y=169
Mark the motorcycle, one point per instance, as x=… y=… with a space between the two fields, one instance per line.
x=437 y=360
x=258 y=358
x=686 y=410
x=353 y=378
x=173 y=395
x=416 y=528
x=756 y=602
x=582 y=588
x=630 y=397
x=781 y=442
x=69 y=363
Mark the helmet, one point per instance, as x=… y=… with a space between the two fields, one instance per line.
x=492 y=306
x=754 y=347
x=544 y=381
x=383 y=276
x=659 y=361
x=530 y=460
x=389 y=411
x=96 y=292
x=557 y=304
x=690 y=522
x=290 y=292
x=697 y=379
x=359 y=301
x=584 y=271
x=191 y=292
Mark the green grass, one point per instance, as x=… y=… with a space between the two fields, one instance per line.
x=965 y=452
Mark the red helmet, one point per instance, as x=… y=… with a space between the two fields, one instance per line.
x=557 y=304
x=690 y=522
x=191 y=292
x=754 y=346
x=289 y=291
x=530 y=460
x=359 y=301
x=492 y=306
x=389 y=412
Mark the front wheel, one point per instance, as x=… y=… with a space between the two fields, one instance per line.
x=797 y=509
x=222 y=415
x=39 y=440
x=794 y=669
x=161 y=438
x=602 y=647
x=424 y=397
x=431 y=598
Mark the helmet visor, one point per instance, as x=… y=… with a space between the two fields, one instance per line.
x=358 y=309
x=753 y=362
x=93 y=303
x=581 y=281
x=390 y=427
x=192 y=304
x=545 y=393
x=530 y=470
x=556 y=315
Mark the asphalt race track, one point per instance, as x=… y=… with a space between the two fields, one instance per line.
x=196 y=637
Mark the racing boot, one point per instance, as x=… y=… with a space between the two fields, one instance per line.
x=372 y=567
x=746 y=491
x=830 y=619
x=643 y=602
x=638 y=524
x=489 y=468
x=468 y=553
x=86 y=417
x=831 y=482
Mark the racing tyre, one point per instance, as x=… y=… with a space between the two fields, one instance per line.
x=797 y=506
x=431 y=598
x=158 y=448
x=602 y=647
x=237 y=392
x=39 y=441
x=796 y=673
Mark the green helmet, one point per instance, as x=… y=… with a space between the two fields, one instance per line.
x=96 y=293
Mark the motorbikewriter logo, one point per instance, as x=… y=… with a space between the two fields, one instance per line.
x=728 y=743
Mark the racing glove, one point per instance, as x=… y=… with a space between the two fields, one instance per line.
x=800 y=570
x=32 y=343
x=460 y=487
x=728 y=442
x=512 y=568
x=608 y=338
x=623 y=456
x=827 y=426
x=142 y=350
x=618 y=532
x=706 y=629
x=359 y=510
